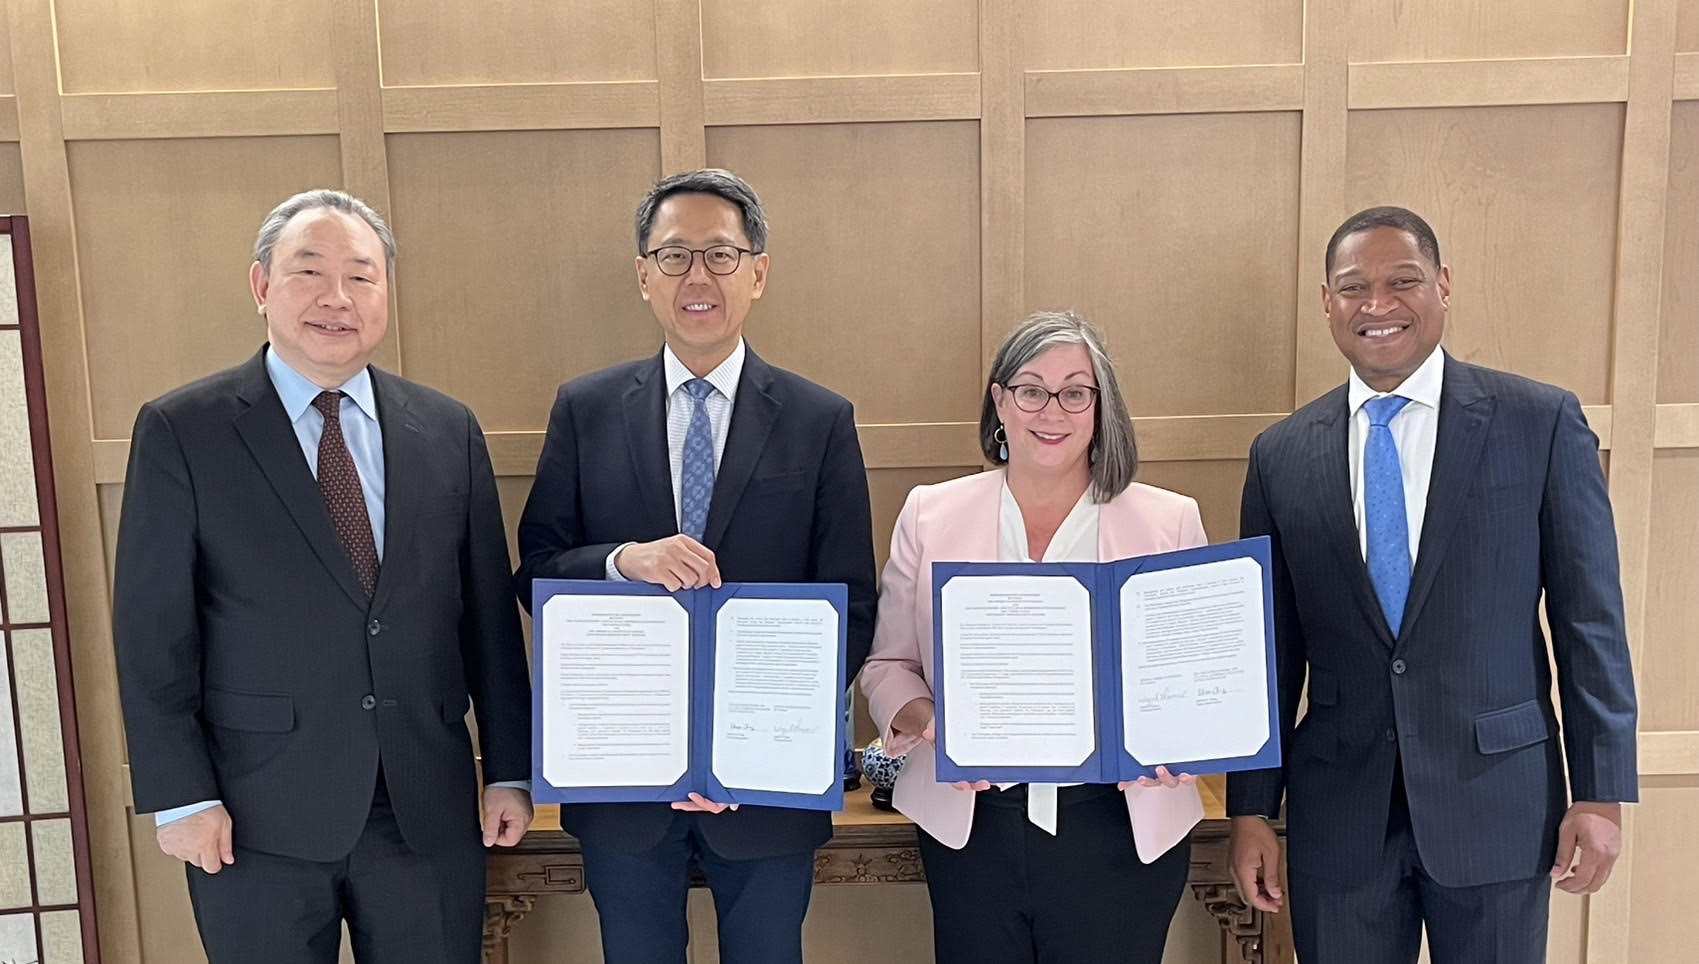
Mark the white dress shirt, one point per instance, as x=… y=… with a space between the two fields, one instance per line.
x=1075 y=541
x=680 y=405
x=1414 y=429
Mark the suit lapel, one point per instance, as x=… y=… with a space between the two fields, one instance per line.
x=1465 y=411
x=753 y=415
x=404 y=452
x=265 y=429
x=1330 y=480
x=646 y=432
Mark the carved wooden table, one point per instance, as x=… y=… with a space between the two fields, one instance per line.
x=870 y=847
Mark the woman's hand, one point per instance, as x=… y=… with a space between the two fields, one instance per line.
x=1163 y=779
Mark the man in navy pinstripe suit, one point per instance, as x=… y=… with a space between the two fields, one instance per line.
x=1418 y=513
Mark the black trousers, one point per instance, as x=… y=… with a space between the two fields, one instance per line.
x=641 y=898
x=401 y=907
x=1017 y=895
x=1379 y=920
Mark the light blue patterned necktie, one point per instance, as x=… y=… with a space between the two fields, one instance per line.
x=1383 y=511
x=696 y=482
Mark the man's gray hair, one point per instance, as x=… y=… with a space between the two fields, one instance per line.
x=1114 y=452
x=265 y=243
x=720 y=183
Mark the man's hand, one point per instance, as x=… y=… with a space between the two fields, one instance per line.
x=1595 y=829
x=701 y=804
x=1253 y=852
x=202 y=839
x=507 y=815
x=676 y=562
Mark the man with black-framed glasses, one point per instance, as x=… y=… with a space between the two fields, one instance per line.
x=698 y=465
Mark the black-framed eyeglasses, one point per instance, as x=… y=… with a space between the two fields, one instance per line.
x=1032 y=398
x=675 y=259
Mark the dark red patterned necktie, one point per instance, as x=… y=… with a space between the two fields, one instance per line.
x=339 y=483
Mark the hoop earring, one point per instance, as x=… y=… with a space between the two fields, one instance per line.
x=1002 y=440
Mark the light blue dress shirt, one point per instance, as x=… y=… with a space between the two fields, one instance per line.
x=364 y=435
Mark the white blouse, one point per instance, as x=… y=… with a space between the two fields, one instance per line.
x=1075 y=541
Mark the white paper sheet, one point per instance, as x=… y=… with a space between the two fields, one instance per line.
x=615 y=674
x=775 y=695
x=1194 y=675
x=1017 y=673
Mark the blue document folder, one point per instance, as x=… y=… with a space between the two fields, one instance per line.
x=700 y=610
x=1109 y=760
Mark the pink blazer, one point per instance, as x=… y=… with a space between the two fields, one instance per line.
x=957 y=521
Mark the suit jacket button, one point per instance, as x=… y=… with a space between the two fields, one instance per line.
x=368 y=701
x=373 y=628
x=1391 y=735
x=1398 y=667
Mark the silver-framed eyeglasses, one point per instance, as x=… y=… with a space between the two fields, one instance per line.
x=675 y=259
x=1032 y=398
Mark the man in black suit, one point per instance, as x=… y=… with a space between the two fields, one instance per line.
x=312 y=579
x=698 y=464
x=1418 y=513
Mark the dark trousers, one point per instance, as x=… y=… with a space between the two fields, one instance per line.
x=1017 y=895
x=1380 y=920
x=641 y=899
x=400 y=906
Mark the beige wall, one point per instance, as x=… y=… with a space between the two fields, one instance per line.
x=933 y=170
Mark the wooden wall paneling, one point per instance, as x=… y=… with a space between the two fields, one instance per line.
x=1687 y=26
x=1216 y=483
x=1638 y=265
x=815 y=38
x=1383 y=30
x=1669 y=662
x=113 y=46
x=452 y=42
x=1164 y=90
x=359 y=122
x=1482 y=83
x=1678 y=352
x=1687 y=76
x=1317 y=365
x=237 y=113
x=183 y=301
x=11 y=179
x=876 y=249
x=1076 y=34
x=516 y=271
x=1524 y=201
x=1667 y=825
x=36 y=72
x=841 y=100
x=1188 y=266
x=678 y=52
x=1002 y=172
x=522 y=107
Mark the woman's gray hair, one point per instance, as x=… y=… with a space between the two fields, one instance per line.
x=1114 y=452
x=271 y=229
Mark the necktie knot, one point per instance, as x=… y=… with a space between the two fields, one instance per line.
x=329 y=405
x=1382 y=409
x=698 y=388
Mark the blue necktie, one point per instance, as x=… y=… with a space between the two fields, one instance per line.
x=696 y=482
x=1383 y=511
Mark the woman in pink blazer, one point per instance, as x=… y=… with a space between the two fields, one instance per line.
x=1034 y=873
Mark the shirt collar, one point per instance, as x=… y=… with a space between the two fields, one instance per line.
x=297 y=392
x=724 y=378
x=1422 y=386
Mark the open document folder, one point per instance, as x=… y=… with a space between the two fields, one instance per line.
x=1100 y=672
x=645 y=695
